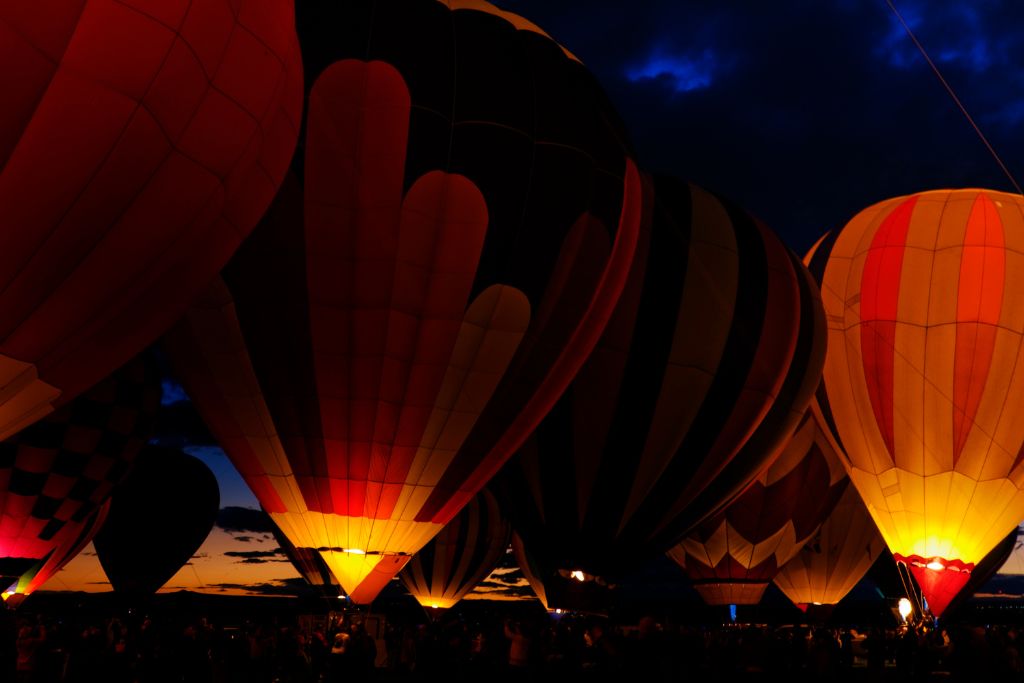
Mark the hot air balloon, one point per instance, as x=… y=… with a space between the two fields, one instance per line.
x=139 y=143
x=309 y=564
x=44 y=570
x=837 y=556
x=663 y=426
x=159 y=516
x=55 y=474
x=461 y=556
x=411 y=307
x=732 y=557
x=923 y=375
x=848 y=543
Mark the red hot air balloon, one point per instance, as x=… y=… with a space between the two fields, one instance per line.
x=139 y=143
x=447 y=252
x=468 y=548
x=925 y=374
x=732 y=557
x=55 y=474
x=662 y=427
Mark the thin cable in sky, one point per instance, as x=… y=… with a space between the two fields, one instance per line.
x=952 y=94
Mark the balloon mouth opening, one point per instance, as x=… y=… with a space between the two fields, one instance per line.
x=360 y=551
x=935 y=564
x=940 y=579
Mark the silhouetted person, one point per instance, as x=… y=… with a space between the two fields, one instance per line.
x=8 y=640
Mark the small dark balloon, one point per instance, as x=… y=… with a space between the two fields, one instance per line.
x=158 y=518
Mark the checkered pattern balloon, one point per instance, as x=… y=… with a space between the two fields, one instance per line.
x=56 y=473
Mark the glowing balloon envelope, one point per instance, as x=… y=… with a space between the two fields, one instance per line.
x=444 y=256
x=924 y=375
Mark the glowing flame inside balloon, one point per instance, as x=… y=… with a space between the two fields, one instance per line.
x=935 y=565
x=905 y=608
x=578 y=575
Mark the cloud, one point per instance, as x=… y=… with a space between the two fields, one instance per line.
x=682 y=73
x=172 y=392
x=257 y=556
x=811 y=120
x=280 y=587
x=241 y=519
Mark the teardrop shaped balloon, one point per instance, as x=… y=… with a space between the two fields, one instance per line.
x=139 y=143
x=56 y=473
x=159 y=516
x=732 y=557
x=466 y=550
x=446 y=253
x=925 y=374
x=664 y=426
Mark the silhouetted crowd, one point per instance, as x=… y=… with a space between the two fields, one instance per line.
x=340 y=648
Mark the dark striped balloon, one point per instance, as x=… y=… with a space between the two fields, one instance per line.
x=581 y=592
x=458 y=225
x=461 y=556
x=56 y=473
x=703 y=373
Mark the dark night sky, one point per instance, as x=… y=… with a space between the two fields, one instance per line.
x=805 y=112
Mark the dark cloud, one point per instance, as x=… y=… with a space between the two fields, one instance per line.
x=510 y=578
x=243 y=539
x=808 y=114
x=257 y=556
x=287 y=587
x=241 y=519
x=172 y=392
x=490 y=588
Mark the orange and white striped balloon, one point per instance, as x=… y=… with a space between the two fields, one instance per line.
x=925 y=302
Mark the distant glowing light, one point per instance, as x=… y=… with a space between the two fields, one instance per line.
x=935 y=565
x=578 y=575
x=558 y=611
x=905 y=608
